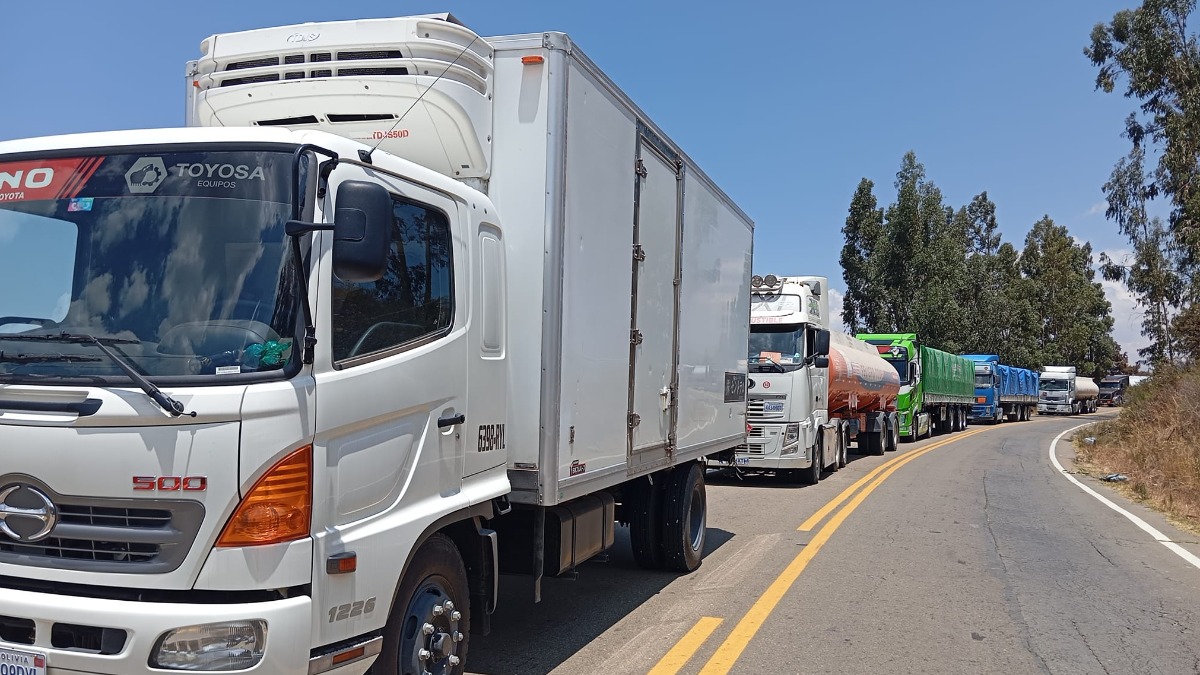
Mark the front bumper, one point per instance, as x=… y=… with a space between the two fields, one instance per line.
x=982 y=412
x=764 y=450
x=287 y=641
x=1055 y=407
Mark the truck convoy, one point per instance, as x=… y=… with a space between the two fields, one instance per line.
x=936 y=388
x=862 y=391
x=413 y=308
x=1112 y=390
x=1002 y=391
x=789 y=430
x=1061 y=391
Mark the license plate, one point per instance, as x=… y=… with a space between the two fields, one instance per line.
x=741 y=460
x=14 y=662
x=773 y=406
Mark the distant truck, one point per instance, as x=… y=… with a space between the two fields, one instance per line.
x=1061 y=391
x=1002 y=391
x=862 y=391
x=787 y=413
x=937 y=389
x=1112 y=390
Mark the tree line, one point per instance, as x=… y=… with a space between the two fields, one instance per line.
x=921 y=266
x=1154 y=52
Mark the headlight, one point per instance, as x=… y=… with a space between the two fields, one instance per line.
x=791 y=434
x=229 y=645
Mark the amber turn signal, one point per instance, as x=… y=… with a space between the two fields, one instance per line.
x=278 y=508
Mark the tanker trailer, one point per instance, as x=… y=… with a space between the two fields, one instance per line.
x=862 y=390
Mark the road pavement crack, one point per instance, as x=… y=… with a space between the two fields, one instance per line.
x=1101 y=553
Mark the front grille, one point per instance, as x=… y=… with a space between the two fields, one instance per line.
x=756 y=408
x=353 y=72
x=109 y=535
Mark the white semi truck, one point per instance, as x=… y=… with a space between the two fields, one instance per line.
x=1060 y=390
x=411 y=308
x=790 y=431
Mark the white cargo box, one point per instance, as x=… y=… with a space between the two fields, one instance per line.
x=627 y=303
x=629 y=316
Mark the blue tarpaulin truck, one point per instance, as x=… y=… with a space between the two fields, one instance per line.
x=1002 y=391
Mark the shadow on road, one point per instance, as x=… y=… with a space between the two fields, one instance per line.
x=529 y=638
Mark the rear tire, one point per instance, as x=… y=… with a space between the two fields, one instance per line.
x=891 y=439
x=685 y=526
x=874 y=442
x=644 y=510
x=436 y=578
x=844 y=437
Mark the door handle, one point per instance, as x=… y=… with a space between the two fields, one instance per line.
x=444 y=422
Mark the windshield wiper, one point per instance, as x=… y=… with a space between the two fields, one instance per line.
x=173 y=407
x=45 y=358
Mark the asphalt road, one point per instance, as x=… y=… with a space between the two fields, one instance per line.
x=965 y=553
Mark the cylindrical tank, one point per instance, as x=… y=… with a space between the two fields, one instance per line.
x=1085 y=389
x=859 y=379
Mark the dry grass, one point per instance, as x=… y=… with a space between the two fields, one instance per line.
x=1154 y=442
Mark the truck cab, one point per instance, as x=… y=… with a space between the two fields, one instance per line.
x=987 y=387
x=787 y=394
x=1112 y=390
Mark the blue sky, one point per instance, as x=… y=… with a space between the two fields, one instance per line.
x=785 y=104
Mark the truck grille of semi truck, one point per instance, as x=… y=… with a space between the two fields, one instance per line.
x=112 y=535
x=756 y=408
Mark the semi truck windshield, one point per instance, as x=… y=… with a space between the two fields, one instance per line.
x=178 y=260
x=781 y=343
x=1054 y=385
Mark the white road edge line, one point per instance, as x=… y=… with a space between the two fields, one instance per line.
x=1146 y=527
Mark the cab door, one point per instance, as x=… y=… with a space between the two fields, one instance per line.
x=391 y=368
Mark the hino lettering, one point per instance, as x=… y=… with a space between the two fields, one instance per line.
x=32 y=179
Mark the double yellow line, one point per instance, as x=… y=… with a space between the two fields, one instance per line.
x=733 y=646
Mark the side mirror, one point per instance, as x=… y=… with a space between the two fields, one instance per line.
x=913 y=371
x=820 y=362
x=362 y=231
x=821 y=343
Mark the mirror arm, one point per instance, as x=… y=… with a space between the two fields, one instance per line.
x=295 y=228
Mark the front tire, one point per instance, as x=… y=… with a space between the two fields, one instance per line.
x=812 y=475
x=685 y=528
x=429 y=625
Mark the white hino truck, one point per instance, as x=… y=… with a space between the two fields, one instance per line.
x=409 y=308
x=790 y=431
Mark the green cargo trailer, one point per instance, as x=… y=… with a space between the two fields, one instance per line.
x=936 y=388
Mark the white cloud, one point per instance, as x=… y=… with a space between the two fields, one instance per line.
x=1097 y=209
x=1127 y=318
x=835 y=310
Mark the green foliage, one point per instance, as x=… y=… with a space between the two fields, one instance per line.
x=1075 y=320
x=919 y=266
x=1152 y=49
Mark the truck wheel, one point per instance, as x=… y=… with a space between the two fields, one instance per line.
x=644 y=510
x=874 y=442
x=812 y=475
x=891 y=437
x=686 y=524
x=429 y=626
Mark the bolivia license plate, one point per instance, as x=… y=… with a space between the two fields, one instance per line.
x=741 y=460
x=13 y=662
x=773 y=406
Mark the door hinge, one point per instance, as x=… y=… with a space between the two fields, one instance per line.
x=639 y=167
x=639 y=253
x=634 y=420
x=635 y=337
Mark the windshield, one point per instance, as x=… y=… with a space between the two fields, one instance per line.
x=782 y=344
x=180 y=255
x=983 y=380
x=1111 y=386
x=1054 y=385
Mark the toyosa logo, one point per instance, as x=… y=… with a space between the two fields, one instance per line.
x=26 y=513
x=146 y=175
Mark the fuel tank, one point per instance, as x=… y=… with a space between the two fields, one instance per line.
x=859 y=379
